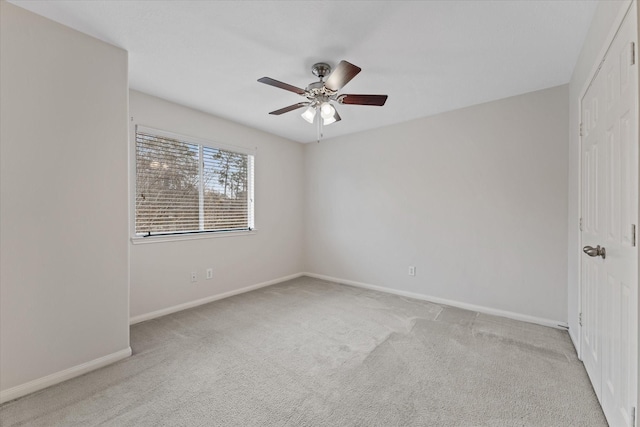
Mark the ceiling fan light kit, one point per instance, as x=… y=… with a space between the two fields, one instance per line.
x=320 y=93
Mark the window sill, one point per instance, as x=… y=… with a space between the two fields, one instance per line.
x=138 y=240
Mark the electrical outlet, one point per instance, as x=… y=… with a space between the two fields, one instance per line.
x=194 y=276
x=209 y=273
x=412 y=270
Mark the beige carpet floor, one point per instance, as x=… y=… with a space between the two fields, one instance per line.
x=313 y=353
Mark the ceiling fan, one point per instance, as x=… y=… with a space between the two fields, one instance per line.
x=320 y=93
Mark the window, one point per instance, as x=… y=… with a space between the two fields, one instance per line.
x=185 y=186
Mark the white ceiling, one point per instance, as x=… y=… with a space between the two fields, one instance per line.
x=429 y=57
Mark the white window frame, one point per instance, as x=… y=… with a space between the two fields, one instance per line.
x=207 y=234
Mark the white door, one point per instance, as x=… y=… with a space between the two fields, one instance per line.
x=591 y=158
x=609 y=156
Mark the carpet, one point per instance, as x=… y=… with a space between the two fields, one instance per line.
x=308 y=352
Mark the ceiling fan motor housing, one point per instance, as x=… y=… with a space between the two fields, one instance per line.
x=317 y=92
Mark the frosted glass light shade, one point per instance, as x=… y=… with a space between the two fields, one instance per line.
x=327 y=111
x=328 y=120
x=309 y=114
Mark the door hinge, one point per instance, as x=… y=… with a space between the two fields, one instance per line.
x=633 y=53
x=633 y=234
x=581 y=130
x=580 y=319
x=581 y=225
x=633 y=416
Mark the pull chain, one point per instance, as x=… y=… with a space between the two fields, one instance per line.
x=319 y=118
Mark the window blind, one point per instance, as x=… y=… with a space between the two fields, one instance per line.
x=182 y=186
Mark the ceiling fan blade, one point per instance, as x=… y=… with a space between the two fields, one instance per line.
x=271 y=82
x=377 y=100
x=289 y=108
x=341 y=75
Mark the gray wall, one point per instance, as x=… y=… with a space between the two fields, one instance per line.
x=475 y=198
x=160 y=272
x=64 y=260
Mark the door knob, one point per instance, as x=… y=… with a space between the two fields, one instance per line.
x=597 y=251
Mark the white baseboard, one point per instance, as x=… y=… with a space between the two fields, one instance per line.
x=466 y=306
x=58 y=377
x=191 y=304
x=481 y=309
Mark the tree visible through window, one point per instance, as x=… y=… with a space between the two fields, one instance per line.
x=183 y=186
